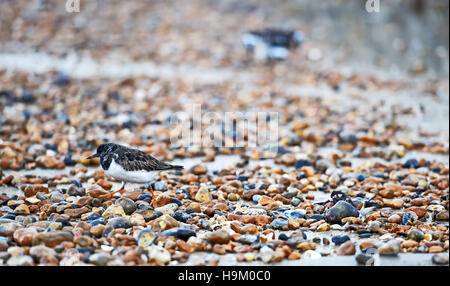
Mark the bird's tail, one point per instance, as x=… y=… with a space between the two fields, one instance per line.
x=176 y=167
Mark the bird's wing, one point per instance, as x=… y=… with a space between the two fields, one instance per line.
x=137 y=160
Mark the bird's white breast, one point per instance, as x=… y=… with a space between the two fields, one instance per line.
x=118 y=172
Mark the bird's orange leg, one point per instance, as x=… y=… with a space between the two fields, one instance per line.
x=108 y=196
x=153 y=196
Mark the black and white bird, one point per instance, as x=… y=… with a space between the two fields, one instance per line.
x=271 y=44
x=130 y=165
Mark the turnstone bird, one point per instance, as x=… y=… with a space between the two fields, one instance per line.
x=271 y=44
x=130 y=165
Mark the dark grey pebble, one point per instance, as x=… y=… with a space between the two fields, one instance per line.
x=411 y=163
x=379 y=175
x=339 y=211
x=365 y=259
x=249 y=186
x=362 y=177
x=128 y=205
x=301 y=175
x=181 y=216
x=69 y=161
x=294 y=214
x=283 y=236
x=156 y=215
x=295 y=202
x=181 y=233
x=364 y=235
x=340 y=239
x=302 y=163
x=242 y=178
x=9 y=216
x=145 y=197
x=278 y=223
x=408 y=217
x=119 y=222
x=63 y=221
x=440 y=258
x=108 y=231
x=84 y=249
x=416 y=234
x=97 y=221
x=143 y=205
x=316 y=216
x=176 y=201
x=94 y=216
x=348 y=136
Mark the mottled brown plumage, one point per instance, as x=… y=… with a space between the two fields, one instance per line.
x=129 y=165
x=130 y=159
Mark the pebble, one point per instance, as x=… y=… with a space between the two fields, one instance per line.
x=339 y=211
x=24 y=236
x=408 y=217
x=146 y=237
x=113 y=210
x=233 y=197
x=295 y=202
x=340 y=239
x=202 y=195
x=160 y=186
x=347 y=248
x=279 y=223
x=165 y=222
x=100 y=259
x=119 y=222
x=8 y=229
x=128 y=206
x=323 y=227
x=249 y=238
x=219 y=237
x=97 y=230
x=56 y=197
x=41 y=251
x=22 y=210
x=294 y=214
x=198 y=170
x=158 y=254
x=181 y=233
x=390 y=248
x=416 y=234
x=443 y=215
x=365 y=259
x=51 y=239
x=181 y=216
x=440 y=258
x=96 y=191
x=20 y=260
x=266 y=254
x=411 y=163
x=394 y=203
x=395 y=218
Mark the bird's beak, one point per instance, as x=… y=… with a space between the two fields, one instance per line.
x=93 y=156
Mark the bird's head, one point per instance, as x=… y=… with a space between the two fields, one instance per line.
x=102 y=149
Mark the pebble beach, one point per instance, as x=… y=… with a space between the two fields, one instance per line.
x=360 y=175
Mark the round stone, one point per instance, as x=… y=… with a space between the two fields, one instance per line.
x=146 y=237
